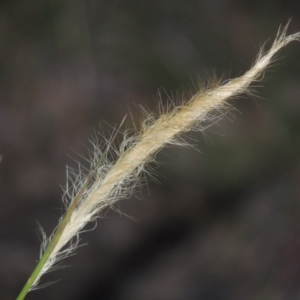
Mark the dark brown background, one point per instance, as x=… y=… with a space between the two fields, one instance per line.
x=222 y=223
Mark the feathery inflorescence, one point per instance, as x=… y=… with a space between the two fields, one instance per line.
x=108 y=181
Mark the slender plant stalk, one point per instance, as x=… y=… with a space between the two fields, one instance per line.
x=63 y=223
x=110 y=181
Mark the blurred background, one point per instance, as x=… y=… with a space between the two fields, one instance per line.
x=221 y=222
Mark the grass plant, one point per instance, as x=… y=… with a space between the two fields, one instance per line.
x=88 y=193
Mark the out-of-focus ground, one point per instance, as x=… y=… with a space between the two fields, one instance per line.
x=223 y=222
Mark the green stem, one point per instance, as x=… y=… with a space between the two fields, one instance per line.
x=63 y=223
x=54 y=240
